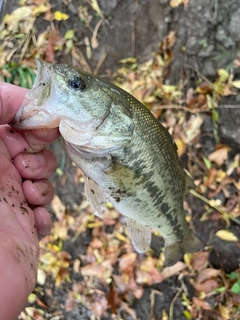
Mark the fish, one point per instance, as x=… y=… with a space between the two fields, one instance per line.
x=127 y=156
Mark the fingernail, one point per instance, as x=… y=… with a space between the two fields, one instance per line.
x=33 y=161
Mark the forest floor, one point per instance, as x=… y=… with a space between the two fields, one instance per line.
x=88 y=268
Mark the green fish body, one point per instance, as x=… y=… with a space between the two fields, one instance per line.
x=127 y=156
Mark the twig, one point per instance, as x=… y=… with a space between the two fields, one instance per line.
x=152 y=302
x=175 y=106
x=218 y=208
x=173 y=302
x=100 y=62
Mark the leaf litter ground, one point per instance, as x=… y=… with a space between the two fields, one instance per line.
x=88 y=268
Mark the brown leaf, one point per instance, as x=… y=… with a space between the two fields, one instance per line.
x=130 y=311
x=127 y=261
x=201 y=303
x=206 y=286
x=207 y=273
x=199 y=260
x=175 y=269
x=99 y=306
x=96 y=243
x=219 y=156
x=70 y=302
x=97 y=270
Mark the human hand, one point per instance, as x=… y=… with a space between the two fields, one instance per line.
x=24 y=191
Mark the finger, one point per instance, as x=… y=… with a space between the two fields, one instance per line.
x=4 y=150
x=38 y=193
x=35 y=166
x=25 y=141
x=38 y=139
x=11 y=98
x=43 y=222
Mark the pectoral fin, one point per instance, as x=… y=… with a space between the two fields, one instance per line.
x=139 y=234
x=95 y=197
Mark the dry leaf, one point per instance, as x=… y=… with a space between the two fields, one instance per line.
x=127 y=261
x=176 y=3
x=41 y=277
x=219 y=156
x=201 y=303
x=99 y=306
x=58 y=15
x=207 y=286
x=207 y=273
x=224 y=312
x=199 y=260
x=17 y=15
x=226 y=235
x=96 y=243
x=175 y=269
x=236 y=84
x=97 y=270
x=70 y=302
x=40 y=9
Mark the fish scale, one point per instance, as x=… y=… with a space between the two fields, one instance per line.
x=126 y=155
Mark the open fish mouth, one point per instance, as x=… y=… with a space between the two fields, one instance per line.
x=34 y=109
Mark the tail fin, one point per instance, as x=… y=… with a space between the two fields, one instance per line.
x=174 y=252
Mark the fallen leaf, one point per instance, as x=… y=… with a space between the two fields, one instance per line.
x=17 y=15
x=127 y=261
x=100 y=305
x=58 y=15
x=41 y=277
x=176 y=3
x=199 y=260
x=96 y=243
x=167 y=272
x=201 y=303
x=40 y=9
x=69 y=34
x=224 y=312
x=207 y=286
x=223 y=75
x=219 y=156
x=70 y=302
x=236 y=84
x=226 y=235
x=96 y=7
x=97 y=270
x=207 y=273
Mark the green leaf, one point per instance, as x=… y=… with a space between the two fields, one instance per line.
x=223 y=75
x=215 y=115
x=219 y=290
x=233 y=275
x=236 y=287
x=207 y=163
x=69 y=34
x=187 y=314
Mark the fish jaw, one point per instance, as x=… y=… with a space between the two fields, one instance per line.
x=40 y=108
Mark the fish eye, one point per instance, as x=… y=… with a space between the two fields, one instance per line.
x=76 y=83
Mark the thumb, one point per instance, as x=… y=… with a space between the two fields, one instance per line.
x=11 y=98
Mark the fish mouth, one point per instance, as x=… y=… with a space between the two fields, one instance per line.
x=33 y=113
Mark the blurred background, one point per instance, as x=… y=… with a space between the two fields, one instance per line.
x=180 y=58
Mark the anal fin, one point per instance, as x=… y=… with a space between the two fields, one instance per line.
x=140 y=235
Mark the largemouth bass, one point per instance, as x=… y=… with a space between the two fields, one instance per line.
x=126 y=155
